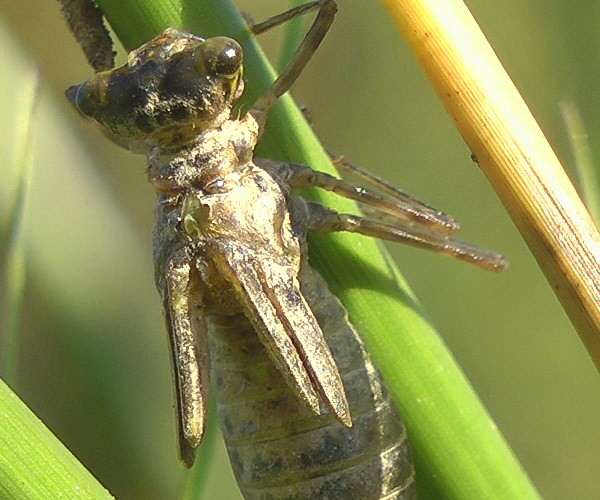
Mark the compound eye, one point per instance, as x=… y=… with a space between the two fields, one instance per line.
x=222 y=56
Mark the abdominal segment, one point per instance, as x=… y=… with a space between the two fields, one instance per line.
x=278 y=448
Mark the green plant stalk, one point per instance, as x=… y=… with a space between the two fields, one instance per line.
x=12 y=260
x=33 y=462
x=458 y=450
x=587 y=176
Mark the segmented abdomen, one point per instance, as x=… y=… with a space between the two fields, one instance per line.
x=278 y=449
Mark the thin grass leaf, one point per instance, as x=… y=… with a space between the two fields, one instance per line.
x=12 y=259
x=587 y=176
x=33 y=462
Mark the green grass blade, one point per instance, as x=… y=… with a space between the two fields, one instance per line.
x=34 y=463
x=12 y=260
x=587 y=175
x=459 y=452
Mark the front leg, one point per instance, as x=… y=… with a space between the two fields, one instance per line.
x=321 y=24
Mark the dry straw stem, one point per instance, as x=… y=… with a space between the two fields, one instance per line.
x=511 y=150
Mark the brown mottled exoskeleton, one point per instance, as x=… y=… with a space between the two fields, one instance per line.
x=303 y=410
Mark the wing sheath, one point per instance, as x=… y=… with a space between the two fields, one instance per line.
x=187 y=339
x=271 y=295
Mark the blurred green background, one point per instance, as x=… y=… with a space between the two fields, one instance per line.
x=93 y=360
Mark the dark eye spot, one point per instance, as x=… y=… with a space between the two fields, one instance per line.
x=222 y=56
x=228 y=61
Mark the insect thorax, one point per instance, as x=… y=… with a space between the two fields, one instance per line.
x=192 y=167
x=213 y=200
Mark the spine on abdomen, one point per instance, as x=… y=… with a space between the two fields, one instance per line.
x=280 y=450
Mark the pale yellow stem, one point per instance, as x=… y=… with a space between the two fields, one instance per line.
x=510 y=148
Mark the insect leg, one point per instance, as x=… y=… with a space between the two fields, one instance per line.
x=323 y=219
x=187 y=338
x=392 y=203
x=303 y=54
x=284 y=17
x=432 y=217
x=381 y=185
x=85 y=21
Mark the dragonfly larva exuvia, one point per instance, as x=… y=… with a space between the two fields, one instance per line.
x=303 y=410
